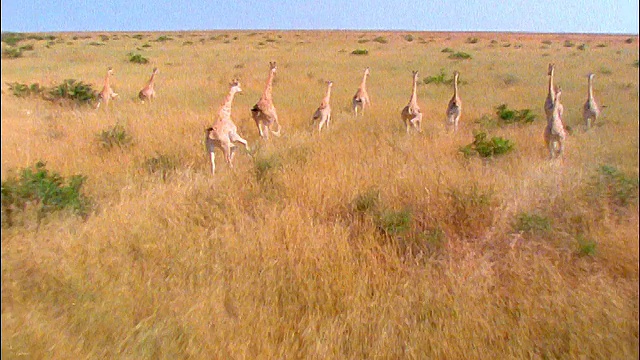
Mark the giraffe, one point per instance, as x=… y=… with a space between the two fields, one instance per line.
x=324 y=110
x=224 y=133
x=148 y=91
x=454 y=109
x=590 y=111
x=107 y=93
x=551 y=94
x=361 y=98
x=263 y=112
x=411 y=114
x=554 y=134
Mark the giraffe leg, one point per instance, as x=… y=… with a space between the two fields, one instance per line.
x=212 y=156
x=236 y=138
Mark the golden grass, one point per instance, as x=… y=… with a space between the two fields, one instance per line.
x=272 y=259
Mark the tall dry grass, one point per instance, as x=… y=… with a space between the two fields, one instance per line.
x=360 y=242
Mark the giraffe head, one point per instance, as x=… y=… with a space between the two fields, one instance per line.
x=208 y=131
x=272 y=66
x=366 y=71
x=330 y=83
x=110 y=71
x=590 y=76
x=456 y=74
x=235 y=86
x=415 y=74
x=552 y=67
x=155 y=70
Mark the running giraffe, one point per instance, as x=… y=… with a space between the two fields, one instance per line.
x=454 y=109
x=148 y=92
x=411 y=114
x=324 y=110
x=107 y=92
x=224 y=133
x=554 y=133
x=590 y=111
x=263 y=112
x=361 y=98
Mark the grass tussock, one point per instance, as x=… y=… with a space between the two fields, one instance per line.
x=357 y=242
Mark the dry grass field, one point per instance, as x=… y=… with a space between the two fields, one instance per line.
x=358 y=242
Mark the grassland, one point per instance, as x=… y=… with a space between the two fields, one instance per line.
x=359 y=242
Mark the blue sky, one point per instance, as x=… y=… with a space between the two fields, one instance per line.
x=549 y=16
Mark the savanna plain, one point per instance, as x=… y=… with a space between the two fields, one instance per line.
x=360 y=241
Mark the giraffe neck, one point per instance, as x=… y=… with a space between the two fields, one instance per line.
x=414 y=95
x=267 y=91
x=150 y=85
x=226 y=107
x=590 y=88
x=327 y=97
x=551 y=90
x=106 y=81
x=455 y=86
x=363 y=84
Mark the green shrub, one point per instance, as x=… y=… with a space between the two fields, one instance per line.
x=460 y=56
x=161 y=164
x=71 y=89
x=441 y=78
x=360 y=52
x=104 y=38
x=24 y=90
x=408 y=37
x=381 y=40
x=621 y=188
x=487 y=148
x=509 y=116
x=95 y=43
x=532 y=223
x=163 y=38
x=137 y=36
x=568 y=43
x=392 y=222
x=547 y=42
x=472 y=40
x=586 y=247
x=11 y=53
x=605 y=70
x=137 y=58
x=28 y=47
x=114 y=136
x=363 y=41
x=447 y=50
x=367 y=201
x=48 y=191
x=11 y=38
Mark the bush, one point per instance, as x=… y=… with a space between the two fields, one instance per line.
x=76 y=91
x=381 y=40
x=366 y=202
x=621 y=188
x=24 y=90
x=360 y=52
x=629 y=41
x=583 y=47
x=161 y=164
x=48 y=191
x=441 y=78
x=11 y=38
x=487 y=148
x=163 y=38
x=532 y=223
x=115 y=136
x=460 y=56
x=137 y=58
x=509 y=116
x=586 y=247
x=547 y=42
x=11 y=53
x=447 y=50
x=392 y=222
x=472 y=40
x=568 y=43
x=408 y=37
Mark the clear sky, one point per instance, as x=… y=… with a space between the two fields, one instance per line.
x=548 y=16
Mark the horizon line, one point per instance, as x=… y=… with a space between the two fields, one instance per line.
x=333 y=30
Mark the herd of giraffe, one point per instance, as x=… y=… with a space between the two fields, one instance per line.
x=223 y=134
